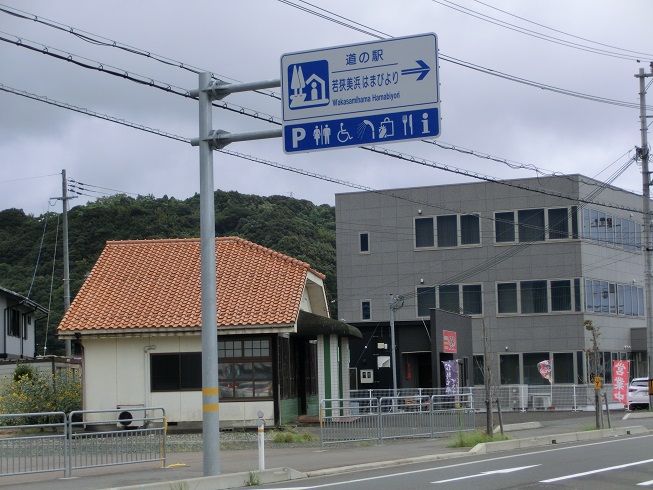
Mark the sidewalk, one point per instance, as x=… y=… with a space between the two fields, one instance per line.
x=296 y=462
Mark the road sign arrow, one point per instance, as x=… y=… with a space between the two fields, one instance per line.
x=423 y=70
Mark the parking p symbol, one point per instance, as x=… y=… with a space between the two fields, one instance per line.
x=298 y=134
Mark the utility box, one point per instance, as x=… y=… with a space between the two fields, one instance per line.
x=518 y=397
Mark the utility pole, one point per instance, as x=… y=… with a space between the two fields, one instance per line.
x=208 y=141
x=643 y=153
x=396 y=302
x=66 y=261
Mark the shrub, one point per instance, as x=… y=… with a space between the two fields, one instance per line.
x=28 y=391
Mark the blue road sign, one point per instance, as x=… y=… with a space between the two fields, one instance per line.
x=371 y=93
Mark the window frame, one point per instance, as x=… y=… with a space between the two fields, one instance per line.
x=510 y=228
x=254 y=351
x=156 y=381
x=366 y=304
x=433 y=236
x=364 y=249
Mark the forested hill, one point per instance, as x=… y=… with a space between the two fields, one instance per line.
x=294 y=227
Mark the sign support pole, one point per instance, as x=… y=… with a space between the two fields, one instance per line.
x=210 y=391
x=208 y=141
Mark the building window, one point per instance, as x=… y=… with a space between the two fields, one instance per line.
x=558 y=223
x=509 y=369
x=176 y=371
x=452 y=231
x=364 y=242
x=561 y=295
x=533 y=297
x=504 y=225
x=424 y=233
x=608 y=229
x=532 y=374
x=472 y=299
x=447 y=231
x=13 y=323
x=366 y=310
x=608 y=298
x=425 y=300
x=449 y=298
x=530 y=225
x=507 y=298
x=245 y=368
x=470 y=229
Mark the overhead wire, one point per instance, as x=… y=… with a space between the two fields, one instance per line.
x=454 y=279
x=341 y=20
x=103 y=41
x=559 y=31
x=545 y=37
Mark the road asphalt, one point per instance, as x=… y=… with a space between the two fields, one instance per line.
x=238 y=466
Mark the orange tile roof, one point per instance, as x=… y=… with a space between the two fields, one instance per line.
x=143 y=284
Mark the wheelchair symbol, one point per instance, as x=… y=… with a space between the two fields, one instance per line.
x=343 y=135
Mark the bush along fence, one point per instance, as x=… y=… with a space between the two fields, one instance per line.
x=53 y=441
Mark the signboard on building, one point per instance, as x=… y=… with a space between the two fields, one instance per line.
x=449 y=342
x=371 y=93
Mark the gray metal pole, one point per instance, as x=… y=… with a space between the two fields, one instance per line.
x=393 y=304
x=646 y=181
x=210 y=391
x=66 y=260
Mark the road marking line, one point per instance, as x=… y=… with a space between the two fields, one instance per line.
x=601 y=470
x=645 y=483
x=487 y=473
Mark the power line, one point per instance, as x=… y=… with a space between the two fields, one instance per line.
x=559 y=31
x=88 y=112
x=103 y=41
x=344 y=21
x=488 y=71
x=531 y=33
x=126 y=75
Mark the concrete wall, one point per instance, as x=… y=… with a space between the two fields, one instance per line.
x=394 y=266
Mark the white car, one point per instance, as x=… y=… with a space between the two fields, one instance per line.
x=638 y=393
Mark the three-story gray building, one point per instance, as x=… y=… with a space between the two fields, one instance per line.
x=530 y=260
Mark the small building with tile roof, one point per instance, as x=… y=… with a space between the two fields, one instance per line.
x=138 y=318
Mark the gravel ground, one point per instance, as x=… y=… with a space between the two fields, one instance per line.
x=240 y=439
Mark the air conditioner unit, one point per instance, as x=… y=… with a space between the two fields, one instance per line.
x=541 y=402
x=518 y=397
x=131 y=417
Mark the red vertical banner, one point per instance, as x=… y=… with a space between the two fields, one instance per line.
x=449 y=342
x=620 y=381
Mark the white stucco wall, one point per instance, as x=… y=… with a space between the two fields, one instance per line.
x=117 y=374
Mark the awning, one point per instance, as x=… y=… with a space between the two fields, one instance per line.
x=311 y=325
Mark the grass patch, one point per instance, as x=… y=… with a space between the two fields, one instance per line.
x=289 y=435
x=589 y=427
x=471 y=439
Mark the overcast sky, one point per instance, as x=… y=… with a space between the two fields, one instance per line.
x=540 y=129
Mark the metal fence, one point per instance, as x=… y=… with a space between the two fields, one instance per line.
x=544 y=397
x=520 y=397
x=32 y=443
x=391 y=417
x=138 y=439
x=52 y=441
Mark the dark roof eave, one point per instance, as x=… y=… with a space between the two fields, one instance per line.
x=311 y=325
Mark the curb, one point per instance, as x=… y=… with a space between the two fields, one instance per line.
x=276 y=475
x=492 y=447
x=223 y=482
